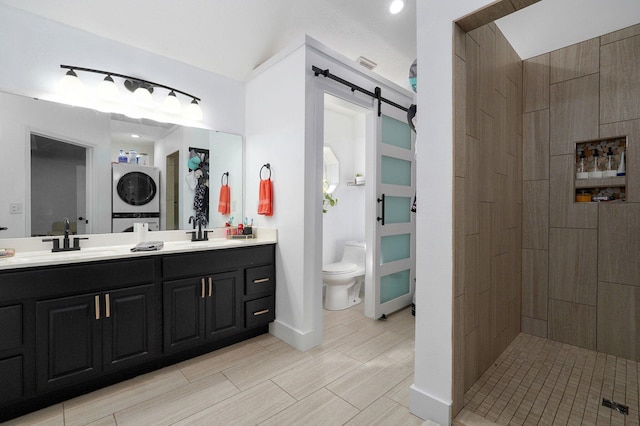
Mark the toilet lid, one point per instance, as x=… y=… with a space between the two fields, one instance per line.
x=339 y=268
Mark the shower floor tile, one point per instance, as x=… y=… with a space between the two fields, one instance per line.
x=541 y=382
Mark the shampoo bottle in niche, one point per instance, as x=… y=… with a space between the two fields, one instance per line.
x=621 y=166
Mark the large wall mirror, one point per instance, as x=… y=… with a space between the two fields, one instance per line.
x=62 y=162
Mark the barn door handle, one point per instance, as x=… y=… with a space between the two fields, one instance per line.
x=381 y=218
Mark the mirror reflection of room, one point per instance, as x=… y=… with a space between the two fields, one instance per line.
x=79 y=146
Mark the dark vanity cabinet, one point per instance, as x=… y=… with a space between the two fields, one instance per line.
x=204 y=297
x=69 y=329
x=200 y=308
x=79 y=337
x=12 y=352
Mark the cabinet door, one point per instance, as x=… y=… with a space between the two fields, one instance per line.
x=11 y=374
x=128 y=326
x=68 y=341
x=183 y=310
x=224 y=305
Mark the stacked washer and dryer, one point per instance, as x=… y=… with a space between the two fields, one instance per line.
x=135 y=197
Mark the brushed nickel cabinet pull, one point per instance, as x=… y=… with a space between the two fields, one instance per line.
x=202 y=285
x=261 y=280
x=255 y=314
x=97 y=300
x=107 y=306
x=210 y=287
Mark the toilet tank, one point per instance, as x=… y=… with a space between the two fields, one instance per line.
x=354 y=252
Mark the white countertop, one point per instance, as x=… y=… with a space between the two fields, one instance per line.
x=32 y=252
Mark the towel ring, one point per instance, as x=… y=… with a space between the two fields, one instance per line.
x=268 y=166
x=222 y=178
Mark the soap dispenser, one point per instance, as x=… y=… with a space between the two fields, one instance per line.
x=621 y=167
x=581 y=174
x=596 y=173
x=609 y=172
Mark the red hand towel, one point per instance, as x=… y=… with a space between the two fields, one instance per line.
x=265 y=203
x=224 y=202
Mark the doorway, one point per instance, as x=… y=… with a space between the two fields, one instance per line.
x=172 y=191
x=375 y=157
x=58 y=186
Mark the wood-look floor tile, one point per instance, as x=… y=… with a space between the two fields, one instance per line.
x=385 y=412
x=103 y=402
x=370 y=345
x=183 y=402
x=250 y=407
x=105 y=421
x=403 y=352
x=322 y=408
x=335 y=318
x=366 y=325
x=249 y=373
x=219 y=360
x=332 y=338
x=50 y=416
x=400 y=393
x=315 y=373
x=370 y=381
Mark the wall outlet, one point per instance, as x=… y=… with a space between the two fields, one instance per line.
x=16 y=208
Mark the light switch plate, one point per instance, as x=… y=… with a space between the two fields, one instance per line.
x=16 y=208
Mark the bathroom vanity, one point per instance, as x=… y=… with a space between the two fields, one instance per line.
x=66 y=329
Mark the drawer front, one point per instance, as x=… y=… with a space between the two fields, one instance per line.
x=214 y=261
x=259 y=280
x=10 y=327
x=259 y=312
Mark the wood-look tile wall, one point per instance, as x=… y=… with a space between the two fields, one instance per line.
x=581 y=279
x=488 y=201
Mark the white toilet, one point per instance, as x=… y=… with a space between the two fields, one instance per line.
x=344 y=279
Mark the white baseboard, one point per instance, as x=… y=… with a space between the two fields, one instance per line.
x=300 y=340
x=428 y=407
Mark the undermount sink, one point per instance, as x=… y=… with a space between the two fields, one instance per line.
x=48 y=256
x=213 y=242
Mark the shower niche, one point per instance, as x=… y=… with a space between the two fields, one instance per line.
x=600 y=170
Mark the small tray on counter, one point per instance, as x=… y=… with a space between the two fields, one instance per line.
x=248 y=233
x=7 y=252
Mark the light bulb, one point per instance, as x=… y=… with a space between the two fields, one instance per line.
x=396 y=6
x=107 y=90
x=171 y=104
x=142 y=98
x=71 y=85
x=193 y=111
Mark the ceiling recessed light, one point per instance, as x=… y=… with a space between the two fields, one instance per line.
x=396 y=6
x=133 y=135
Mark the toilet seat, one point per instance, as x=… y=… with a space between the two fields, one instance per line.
x=339 y=268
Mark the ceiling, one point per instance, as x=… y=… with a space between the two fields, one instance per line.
x=231 y=37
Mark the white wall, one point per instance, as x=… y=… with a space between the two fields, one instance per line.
x=431 y=394
x=275 y=134
x=345 y=135
x=33 y=48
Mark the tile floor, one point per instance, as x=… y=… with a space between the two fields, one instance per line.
x=360 y=375
x=540 y=382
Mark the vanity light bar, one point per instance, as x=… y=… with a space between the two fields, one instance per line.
x=133 y=84
x=127 y=77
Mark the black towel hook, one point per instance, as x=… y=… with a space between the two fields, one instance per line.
x=222 y=178
x=268 y=166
